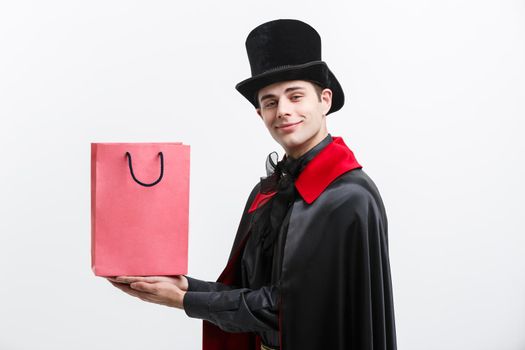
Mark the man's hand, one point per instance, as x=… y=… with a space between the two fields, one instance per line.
x=161 y=290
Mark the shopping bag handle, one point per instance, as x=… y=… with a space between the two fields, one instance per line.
x=142 y=183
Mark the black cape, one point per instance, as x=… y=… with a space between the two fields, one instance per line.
x=336 y=288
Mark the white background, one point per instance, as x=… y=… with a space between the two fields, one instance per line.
x=434 y=113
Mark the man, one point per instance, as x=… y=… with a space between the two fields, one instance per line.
x=309 y=266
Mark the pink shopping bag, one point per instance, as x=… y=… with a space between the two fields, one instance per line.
x=139 y=208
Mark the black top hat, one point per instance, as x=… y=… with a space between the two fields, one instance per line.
x=287 y=49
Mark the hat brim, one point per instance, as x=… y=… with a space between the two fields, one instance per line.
x=316 y=71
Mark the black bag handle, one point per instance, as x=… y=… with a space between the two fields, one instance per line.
x=142 y=183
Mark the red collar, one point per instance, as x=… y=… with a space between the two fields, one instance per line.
x=333 y=160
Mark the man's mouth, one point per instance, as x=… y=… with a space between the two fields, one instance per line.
x=288 y=125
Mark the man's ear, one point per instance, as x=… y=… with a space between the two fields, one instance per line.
x=326 y=98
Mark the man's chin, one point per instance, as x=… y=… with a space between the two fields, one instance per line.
x=292 y=142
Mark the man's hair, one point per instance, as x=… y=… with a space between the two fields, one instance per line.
x=317 y=87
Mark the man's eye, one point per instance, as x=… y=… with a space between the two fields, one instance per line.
x=269 y=104
x=296 y=96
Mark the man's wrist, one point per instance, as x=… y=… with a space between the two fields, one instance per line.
x=182 y=295
x=197 y=285
x=185 y=284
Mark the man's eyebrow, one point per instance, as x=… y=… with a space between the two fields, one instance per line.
x=291 y=88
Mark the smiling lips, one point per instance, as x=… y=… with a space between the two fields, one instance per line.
x=290 y=126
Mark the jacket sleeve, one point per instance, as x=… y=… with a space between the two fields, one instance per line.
x=236 y=310
x=197 y=285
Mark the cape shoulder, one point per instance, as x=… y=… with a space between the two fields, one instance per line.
x=354 y=199
x=359 y=190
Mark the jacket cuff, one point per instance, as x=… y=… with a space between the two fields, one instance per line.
x=196 y=285
x=196 y=304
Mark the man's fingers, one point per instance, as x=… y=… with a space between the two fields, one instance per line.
x=149 y=279
x=153 y=279
x=121 y=286
x=160 y=293
x=128 y=290
x=129 y=279
x=144 y=287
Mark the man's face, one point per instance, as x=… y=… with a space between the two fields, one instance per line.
x=294 y=115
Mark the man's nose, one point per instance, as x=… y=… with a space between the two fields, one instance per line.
x=283 y=107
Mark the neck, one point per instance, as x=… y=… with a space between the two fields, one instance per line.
x=306 y=146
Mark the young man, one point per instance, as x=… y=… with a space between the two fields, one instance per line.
x=309 y=266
